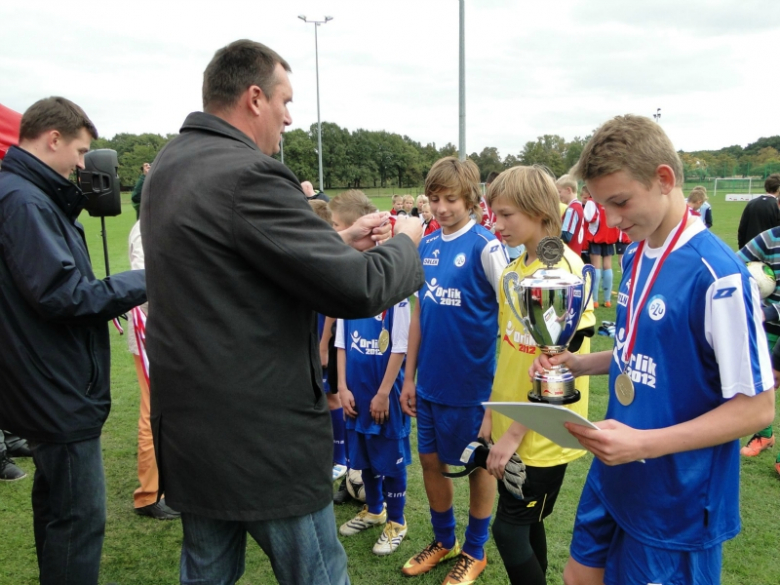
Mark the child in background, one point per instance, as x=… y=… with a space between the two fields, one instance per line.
x=573 y=228
x=417 y=211
x=689 y=374
x=325 y=329
x=697 y=200
x=526 y=206
x=408 y=205
x=371 y=355
x=398 y=204
x=431 y=225
x=452 y=348
x=601 y=249
x=765 y=248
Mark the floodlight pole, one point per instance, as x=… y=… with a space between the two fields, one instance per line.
x=657 y=116
x=316 y=24
x=462 y=84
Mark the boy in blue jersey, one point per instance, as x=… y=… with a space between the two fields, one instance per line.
x=689 y=374
x=452 y=343
x=370 y=355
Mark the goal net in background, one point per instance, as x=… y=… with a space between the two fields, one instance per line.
x=735 y=189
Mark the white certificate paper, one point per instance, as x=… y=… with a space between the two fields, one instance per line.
x=545 y=419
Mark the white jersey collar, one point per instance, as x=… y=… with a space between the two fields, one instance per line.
x=459 y=233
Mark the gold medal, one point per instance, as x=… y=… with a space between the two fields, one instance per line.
x=384 y=340
x=624 y=389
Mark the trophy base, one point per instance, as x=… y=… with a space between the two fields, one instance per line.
x=558 y=401
x=555 y=386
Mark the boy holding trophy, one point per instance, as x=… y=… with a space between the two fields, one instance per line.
x=525 y=202
x=689 y=374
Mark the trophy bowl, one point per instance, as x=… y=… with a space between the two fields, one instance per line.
x=550 y=303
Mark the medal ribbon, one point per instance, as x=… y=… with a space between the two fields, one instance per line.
x=633 y=315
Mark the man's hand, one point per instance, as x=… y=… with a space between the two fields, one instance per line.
x=613 y=443
x=367 y=231
x=410 y=226
x=380 y=408
x=409 y=398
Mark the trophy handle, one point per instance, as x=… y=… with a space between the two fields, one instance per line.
x=510 y=285
x=590 y=271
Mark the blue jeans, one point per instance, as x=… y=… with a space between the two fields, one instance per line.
x=302 y=550
x=69 y=511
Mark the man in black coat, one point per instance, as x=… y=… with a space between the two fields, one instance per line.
x=238 y=263
x=56 y=358
x=761 y=213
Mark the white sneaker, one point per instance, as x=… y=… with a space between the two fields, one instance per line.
x=363 y=520
x=392 y=535
x=339 y=471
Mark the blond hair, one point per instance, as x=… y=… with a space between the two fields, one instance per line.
x=567 y=181
x=533 y=192
x=351 y=205
x=408 y=199
x=698 y=195
x=321 y=209
x=449 y=174
x=630 y=143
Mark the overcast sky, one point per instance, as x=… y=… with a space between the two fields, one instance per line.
x=532 y=68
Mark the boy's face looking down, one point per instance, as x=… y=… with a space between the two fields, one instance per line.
x=450 y=210
x=514 y=226
x=641 y=211
x=398 y=204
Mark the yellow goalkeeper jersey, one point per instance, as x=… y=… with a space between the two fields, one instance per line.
x=517 y=351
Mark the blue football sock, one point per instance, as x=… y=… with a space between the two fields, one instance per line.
x=596 y=282
x=476 y=536
x=444 y=527
x=607 y=281
x=395 y=496
x=339 y=432
x=373 y=485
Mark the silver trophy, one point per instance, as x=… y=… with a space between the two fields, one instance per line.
x=550 y=304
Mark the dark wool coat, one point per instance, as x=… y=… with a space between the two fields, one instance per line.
x=237 y=264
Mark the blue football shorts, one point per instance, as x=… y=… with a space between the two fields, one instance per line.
x=447 y=430
x=381 y=455
x=599 y=542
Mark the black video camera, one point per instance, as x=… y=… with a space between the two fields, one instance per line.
x=100 y=183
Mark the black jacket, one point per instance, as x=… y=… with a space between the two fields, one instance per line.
x=54 y=345
x=237 y=264
x=759 y=215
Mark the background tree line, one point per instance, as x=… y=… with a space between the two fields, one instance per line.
x=362 y=158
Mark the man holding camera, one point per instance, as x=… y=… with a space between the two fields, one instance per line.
x=54 y=315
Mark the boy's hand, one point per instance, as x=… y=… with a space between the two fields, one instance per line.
x=499 y=455
x=409 y=398
x=380 y=408
x=543 y=363
x=348 y=402
x=613 y=443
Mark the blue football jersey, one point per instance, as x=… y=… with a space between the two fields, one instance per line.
x=699 y=343
x=367 y=364
x=459 y=315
